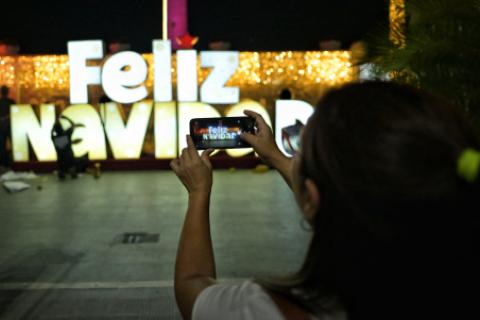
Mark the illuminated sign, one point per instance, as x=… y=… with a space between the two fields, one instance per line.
x=126 y=139
x=122 y=77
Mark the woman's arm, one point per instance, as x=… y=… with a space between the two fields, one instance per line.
x=195 y=264
x=283 y=165
x=263 y=142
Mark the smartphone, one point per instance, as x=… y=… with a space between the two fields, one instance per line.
x=220 y=133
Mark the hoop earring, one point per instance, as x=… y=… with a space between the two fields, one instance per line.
x=305 y=225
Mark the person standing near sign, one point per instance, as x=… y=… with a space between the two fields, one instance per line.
x=62 y=140
x=5 y=103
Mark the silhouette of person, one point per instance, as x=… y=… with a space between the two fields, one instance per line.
x=285 y=94
x=62 y=140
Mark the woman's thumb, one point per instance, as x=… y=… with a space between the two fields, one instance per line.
x=248 y=137
x=206 y=154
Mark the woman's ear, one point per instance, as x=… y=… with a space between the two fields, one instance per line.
x=311 y=201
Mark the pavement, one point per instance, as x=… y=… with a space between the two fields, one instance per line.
x=105 y=248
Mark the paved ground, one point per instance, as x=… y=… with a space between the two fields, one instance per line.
x=64 y=253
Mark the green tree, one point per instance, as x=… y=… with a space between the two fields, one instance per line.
x=442 y=50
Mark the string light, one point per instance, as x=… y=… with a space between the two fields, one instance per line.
x=397 y=18
x=263 y=74
x=7 y=71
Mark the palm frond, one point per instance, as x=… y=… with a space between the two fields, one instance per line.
x=441 y=53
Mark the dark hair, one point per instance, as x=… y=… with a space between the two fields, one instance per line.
x=396 y=226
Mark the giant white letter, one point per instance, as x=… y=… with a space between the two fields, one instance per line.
x=81 y=75
x=224 y=64
x=122 y=85
x=91 y=133
x=286 y=113
x=187 y=90
x=25 y=127
x=126 y=141
x=165 y=130
x=162 y=71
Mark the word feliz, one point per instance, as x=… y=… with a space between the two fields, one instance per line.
x=221 y=133
x=126 y=138
x=122 y=76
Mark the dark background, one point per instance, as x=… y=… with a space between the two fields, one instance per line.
x=46 y=26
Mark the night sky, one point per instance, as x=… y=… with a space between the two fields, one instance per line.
x=46 y=26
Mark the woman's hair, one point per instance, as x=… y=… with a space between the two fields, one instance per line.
x=396 y=231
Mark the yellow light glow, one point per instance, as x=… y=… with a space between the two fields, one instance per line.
x=26 y=127
x=91 y=134
x=7 y=70
x=165 y=130
x=126 y=140
x=260 y=76
x=397 y=22
x=38 y=79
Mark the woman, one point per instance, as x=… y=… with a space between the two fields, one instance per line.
x=387 y=178
x=62 y=141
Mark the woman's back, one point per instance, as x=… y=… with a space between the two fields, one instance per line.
x=396 y=232
x=388 y=179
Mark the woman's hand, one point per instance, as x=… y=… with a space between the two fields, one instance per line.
x=194 y=171
x=263 y=142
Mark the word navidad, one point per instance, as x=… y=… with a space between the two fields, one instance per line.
x=122 y=77
x=126 y=138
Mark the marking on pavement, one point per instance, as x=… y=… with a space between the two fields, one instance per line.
x=96 y=285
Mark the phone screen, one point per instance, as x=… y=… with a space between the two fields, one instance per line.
x=220 y=133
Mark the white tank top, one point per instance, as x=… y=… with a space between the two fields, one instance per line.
x=245 y=301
